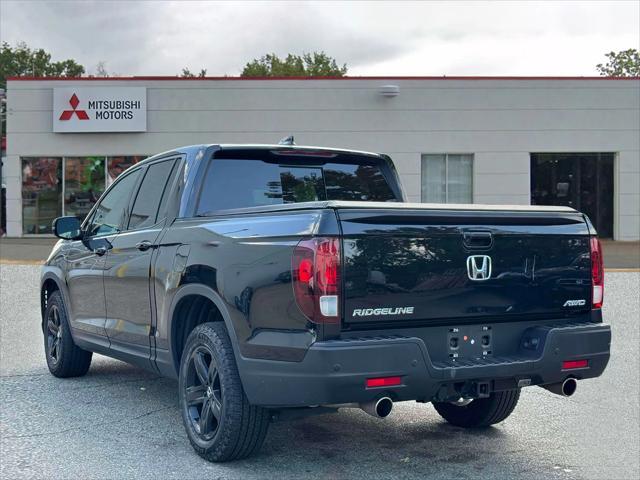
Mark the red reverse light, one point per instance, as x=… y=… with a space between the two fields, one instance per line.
x=573 y=364
x=383 y=382
x=597 y=272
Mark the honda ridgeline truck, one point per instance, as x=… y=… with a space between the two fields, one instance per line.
x=279 y=281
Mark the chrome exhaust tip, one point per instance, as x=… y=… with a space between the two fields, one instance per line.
x=569 y=387
x=380 y=408
x=564 y=389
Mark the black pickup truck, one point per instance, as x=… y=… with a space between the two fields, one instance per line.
x=280 y=281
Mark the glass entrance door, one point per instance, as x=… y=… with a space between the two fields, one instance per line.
x=583 y=181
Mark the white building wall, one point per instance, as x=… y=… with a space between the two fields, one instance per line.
x=627 y=203
x=499 y=121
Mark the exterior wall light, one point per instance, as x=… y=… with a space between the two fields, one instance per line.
x=389 y=90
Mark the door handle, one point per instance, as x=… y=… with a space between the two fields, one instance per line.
x=477 y=239
x=100 y=251
x=144 y=245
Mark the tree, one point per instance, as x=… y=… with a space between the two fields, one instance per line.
x=316 y=64
x=186 y=73
x=101 y=69
x=21 y=61
x=625 y=63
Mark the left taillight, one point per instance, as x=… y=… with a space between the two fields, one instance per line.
x=597 y=273
x=315 y=270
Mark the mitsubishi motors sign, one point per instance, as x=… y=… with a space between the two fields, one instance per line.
x=100 y=109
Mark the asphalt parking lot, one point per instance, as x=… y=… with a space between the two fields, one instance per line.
x=122 y=422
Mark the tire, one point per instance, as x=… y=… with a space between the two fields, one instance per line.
x=481 y=412
x=64 y=358
x=209 y=382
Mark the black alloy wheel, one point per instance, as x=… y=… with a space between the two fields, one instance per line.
x=54 y=334
x=220 y=422
x=203 y=393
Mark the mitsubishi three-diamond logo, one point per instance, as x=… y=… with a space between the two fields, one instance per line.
x=67 y=114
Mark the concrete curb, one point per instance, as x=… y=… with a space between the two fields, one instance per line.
x=6 y=261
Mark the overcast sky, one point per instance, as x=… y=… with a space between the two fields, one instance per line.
x=373 y=38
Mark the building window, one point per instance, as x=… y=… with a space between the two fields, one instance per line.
x=583 y=181
x=83 y=184
x=55 y=186
x=117 y=165
x=447 y=178
x=41 y=193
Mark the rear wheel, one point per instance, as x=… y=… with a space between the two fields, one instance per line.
x=220 y=422
x=480 y=412
x=64 y=358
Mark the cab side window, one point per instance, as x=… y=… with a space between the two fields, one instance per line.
x=110 y=213
x=145 y=209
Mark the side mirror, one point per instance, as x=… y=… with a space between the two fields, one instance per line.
x=67 y=228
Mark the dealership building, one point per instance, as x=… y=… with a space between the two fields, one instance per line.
x=555 y=141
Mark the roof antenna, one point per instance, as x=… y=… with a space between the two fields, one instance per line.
x=287 y=141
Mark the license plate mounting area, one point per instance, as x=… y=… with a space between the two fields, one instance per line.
x=470 y=342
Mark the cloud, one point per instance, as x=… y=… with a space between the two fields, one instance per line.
x=89 y=31
x=373 y=38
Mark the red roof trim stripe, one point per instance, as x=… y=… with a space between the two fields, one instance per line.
x=164 y=78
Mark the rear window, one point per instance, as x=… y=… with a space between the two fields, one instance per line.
x=248 y=183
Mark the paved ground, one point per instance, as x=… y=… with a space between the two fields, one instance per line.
x=35 y=249
x=121 y=422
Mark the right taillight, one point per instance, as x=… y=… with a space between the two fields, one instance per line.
x=315 y=270
x=597 y=273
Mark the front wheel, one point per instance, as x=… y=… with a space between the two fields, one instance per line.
x=480 y=412
x=220 y=422
x=64 y=358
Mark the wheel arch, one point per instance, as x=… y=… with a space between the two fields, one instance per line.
x=182 y=304
x=50 y=282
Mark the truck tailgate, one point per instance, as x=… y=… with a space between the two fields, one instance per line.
x=419 y=263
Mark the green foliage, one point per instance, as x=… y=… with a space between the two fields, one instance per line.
x=625 y=63
x=93 y=170
x=316 y=64
x=186 y=73
x=22 y=61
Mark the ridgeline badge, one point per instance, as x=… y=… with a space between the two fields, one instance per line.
x=366 y=312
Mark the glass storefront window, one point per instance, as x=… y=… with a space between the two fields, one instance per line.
x=41 y=193
x=117 y=165
x=83 y=184
x=47 y=193
x=580 y=180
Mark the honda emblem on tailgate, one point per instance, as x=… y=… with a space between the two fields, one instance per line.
x=479 y=267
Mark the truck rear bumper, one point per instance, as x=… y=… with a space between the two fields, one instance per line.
x=335 y=372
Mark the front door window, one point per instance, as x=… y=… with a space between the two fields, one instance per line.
x=108 y=217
